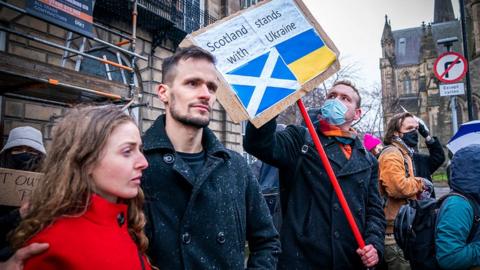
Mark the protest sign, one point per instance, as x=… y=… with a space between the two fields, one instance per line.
x=268 y=56
x=17 y=186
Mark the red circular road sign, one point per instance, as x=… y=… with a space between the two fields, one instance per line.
x=450 y=67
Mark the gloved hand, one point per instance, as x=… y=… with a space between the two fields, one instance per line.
x=423 y=130
x=427 y=190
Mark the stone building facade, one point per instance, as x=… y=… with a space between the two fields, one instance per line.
x=406 y=66
x=472 y=14
x=38 y=84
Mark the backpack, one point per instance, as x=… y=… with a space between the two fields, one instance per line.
x=414 y=230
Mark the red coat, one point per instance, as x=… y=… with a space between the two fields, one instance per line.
x=94 y=240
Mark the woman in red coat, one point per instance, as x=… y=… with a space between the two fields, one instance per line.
x=89 y=206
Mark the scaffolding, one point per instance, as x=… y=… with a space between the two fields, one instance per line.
x=163 y=19
x=69 y=51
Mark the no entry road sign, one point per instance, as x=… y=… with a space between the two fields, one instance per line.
x=450 y=67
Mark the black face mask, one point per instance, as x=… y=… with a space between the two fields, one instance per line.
x=410 y=138
x=22 y=161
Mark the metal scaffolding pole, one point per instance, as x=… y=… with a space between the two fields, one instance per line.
x=133 y=42
x=64 y=48
x=83 y=89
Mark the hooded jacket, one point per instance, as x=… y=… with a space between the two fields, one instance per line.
x=455 y=220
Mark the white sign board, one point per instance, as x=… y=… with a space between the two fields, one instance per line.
x=452 y=89
x=267 y=56
x=253 y=33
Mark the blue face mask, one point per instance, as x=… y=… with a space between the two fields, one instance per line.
x=334 y=111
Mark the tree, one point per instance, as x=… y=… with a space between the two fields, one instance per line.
x=316 y=97
x=371 y=120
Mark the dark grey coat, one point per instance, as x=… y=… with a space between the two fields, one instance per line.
x=203 y=221
x=315 y=233
x=426 y=165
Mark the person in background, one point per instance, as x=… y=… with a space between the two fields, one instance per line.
x=426 y=165
x=457 y=234
x=24 y=151
x=398 y=181
x=315 y=233
x=268 y=179
x=372 y=144
x=88 y=207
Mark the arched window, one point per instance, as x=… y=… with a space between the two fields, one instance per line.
x=407 y=84
x=461 y=111
x=476 y=107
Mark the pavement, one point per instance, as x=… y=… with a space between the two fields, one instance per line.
x=441 y=190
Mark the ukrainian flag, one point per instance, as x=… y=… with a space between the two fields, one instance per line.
x=306 y=55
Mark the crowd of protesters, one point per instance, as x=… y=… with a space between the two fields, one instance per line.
x=178 y=199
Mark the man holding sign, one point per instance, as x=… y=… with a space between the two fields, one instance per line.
x=202 y=202
x=315 y=233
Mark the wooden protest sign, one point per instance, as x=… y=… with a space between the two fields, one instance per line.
x=268 y=56
x=17 y=186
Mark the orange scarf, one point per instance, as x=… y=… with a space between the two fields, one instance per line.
x=330 y=130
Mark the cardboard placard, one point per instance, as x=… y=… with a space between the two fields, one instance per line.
x=17 y=186
x=268 y=57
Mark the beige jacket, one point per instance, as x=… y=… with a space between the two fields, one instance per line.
x=394 y=183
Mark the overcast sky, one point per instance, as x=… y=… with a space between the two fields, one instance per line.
x=356 y=27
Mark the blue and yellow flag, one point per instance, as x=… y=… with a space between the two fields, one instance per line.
x=306 y=55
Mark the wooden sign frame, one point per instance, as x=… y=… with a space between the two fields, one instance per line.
x=17 y=186
x=229 y=99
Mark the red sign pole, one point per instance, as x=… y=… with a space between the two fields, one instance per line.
x=331 y=176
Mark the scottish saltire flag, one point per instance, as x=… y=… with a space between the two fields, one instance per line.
x=306 y=55
x=262 y=82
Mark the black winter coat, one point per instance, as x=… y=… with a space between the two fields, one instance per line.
x=426 y=165
x=315 y=233
x=203 y=221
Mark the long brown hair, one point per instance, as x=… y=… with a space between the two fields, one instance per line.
x=395 y=124
x=77 y=145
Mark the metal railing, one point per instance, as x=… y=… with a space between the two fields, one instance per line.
x=185 y=15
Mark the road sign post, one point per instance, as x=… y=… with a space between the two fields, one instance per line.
x=449 y=68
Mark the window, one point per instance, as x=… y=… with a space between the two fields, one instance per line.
x=407 y=86
x=402 y=45
x=248 y=3
x=243 y=124
x=192 y=15
x=3 y=41
x=249 y=158
x=202 y=13
x=94 y=67
x=476 y=107
x=461 y=110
